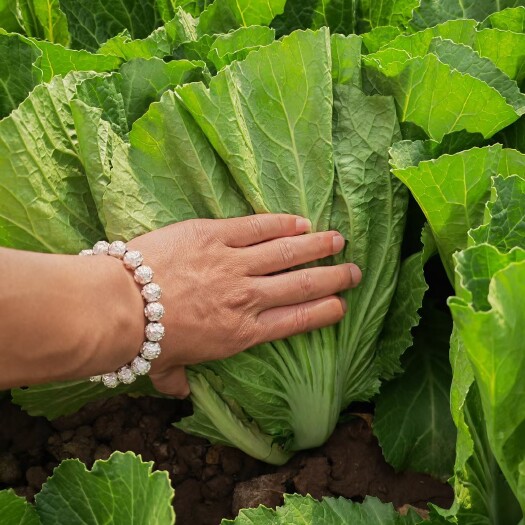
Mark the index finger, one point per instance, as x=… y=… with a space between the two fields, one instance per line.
x=254 y=229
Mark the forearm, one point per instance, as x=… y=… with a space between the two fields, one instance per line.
x=65 y=317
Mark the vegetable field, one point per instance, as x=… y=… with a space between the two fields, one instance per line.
x=398 y=123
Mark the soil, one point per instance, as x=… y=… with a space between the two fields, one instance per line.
x=211 y=482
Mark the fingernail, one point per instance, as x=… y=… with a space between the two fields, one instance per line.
x=338 y=243
x=343 y=304
x=303 y=225
x=356 y=275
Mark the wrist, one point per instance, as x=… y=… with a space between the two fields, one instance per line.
x=120 y=323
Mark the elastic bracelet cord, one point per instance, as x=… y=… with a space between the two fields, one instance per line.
x=154 y=311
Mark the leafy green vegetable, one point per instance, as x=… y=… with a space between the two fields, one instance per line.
x=330 y=511
x=452 y=191
x=47 y=205
x=417 y=403
x=121 y=490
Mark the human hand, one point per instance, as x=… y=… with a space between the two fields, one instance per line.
x=220 y=295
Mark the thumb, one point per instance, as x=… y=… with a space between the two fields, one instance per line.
x=172 y=382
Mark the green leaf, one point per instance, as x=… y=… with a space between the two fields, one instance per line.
x=18 y=71
x=505 y=227
x=43 y=19
x=47 y=205
x=463 y=59
x=412 y=80
x=237 y=44
x=346 y=59
x=53 y=400
x=430 y=13
x=403 y=314
x=452 y=191
x=16 y=510
x=338 y=15
x=493 y=339
x=396 y=13
x=510 y=19
x=233 y=113
x=482 y=494
x=329 y=511
x=92 y=22
x=223 y=15
x=379 y=37
x=412 y=415
x=121 y=490
x=169 y=173
x=505 y=49
x=158 y=44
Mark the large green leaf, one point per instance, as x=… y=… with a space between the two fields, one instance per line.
x=412 y=415
x=338 y=15
x=452 y=191
x=168 y=173
x=430 y=12
x=329 y=511
x=18 y=71
x=92 y=22
x=421 y=82
x=16 y=510
x=234 y=113
x=121 y=491
x=46 y=202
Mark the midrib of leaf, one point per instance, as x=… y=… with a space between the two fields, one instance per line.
x=50 y=26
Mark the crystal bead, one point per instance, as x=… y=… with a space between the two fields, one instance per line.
x=95 y=379
x=132 y=259
x=143 y=274
x=151 y=292
x=110 y=380
x=154 y=331
x=126 y=375
x=101 y=248
x=117 y=249
x=150 y=350
x=154 y=311
x=140 y=366
x=85 y=253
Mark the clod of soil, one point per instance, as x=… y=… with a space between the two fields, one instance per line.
x=211 y=481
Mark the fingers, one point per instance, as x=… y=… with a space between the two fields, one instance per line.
x=281 y=254
x=306 y=285
x=246 y=231
x=285 y=321
x=172 y=382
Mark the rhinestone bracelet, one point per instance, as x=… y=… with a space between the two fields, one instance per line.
x=153 y=311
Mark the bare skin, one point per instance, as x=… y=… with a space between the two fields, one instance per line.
x=69 y=317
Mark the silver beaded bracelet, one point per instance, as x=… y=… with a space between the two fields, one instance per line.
x=153 y=311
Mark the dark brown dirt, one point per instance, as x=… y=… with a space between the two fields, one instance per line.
x=211 y=482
